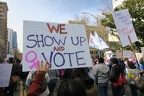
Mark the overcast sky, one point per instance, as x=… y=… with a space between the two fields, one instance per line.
x=58 y=11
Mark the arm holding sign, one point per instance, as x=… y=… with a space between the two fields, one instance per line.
x=39 y=78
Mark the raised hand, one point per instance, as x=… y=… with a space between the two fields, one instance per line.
x=43 y=68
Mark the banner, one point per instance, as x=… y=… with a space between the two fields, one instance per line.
x=93 y=42
x=124 y=27
x=5 y=73
x=64 y=45
x=102 y=44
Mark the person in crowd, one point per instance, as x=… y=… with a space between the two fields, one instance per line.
x=109 y=64
x=101 y=71
x=67 y=88
x=64 y=74
x=15 y=75
x=115 y=72
x=139 y=79
x=89 y=70
x=54 y=77
x=30 y=79
x=122 y=64
x=141 y=64
x=72 y=87
x=132 y=72
x=24 y=76
x=90 y=86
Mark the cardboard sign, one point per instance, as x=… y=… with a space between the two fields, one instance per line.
x=64 y=45
x=127 y=54
x=124 y=27
x=5 y=73
x=119 y=54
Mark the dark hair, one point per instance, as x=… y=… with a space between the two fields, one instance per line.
x=72 y=88
x=114 y=60
x=78 y=72
x=11 y=60
x=131 y=65
x=1 y=60
x=101 y=60
x=18 y=61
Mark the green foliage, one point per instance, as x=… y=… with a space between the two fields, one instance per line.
x=136 y=10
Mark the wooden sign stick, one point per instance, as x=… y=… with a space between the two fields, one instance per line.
x=132 y=47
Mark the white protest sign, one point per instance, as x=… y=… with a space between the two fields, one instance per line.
x=5 y=73
x=64 y=45
x=127 y=53
x=124 y=26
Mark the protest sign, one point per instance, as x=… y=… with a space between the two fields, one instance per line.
x=5 y=73
x=127 y=53
x=139 y=55
x=119 y=54
x=124 y=27
x=109 y=54
x=64 y=45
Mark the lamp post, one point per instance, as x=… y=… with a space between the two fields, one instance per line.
x=92 y=16
x=99 y=53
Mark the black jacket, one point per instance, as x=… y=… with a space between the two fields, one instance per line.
x=115 y=72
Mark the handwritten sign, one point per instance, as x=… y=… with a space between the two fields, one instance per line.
x=124 y=27
x=64 y=45
x=128 y=54
x=5 y=73
x=119 y=54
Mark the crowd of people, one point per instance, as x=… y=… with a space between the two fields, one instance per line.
x=90 y=81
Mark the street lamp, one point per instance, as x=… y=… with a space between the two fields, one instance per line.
x=91 y=15
x=99 y=53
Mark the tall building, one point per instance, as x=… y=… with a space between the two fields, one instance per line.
x=12 y=42
x=14 y=39
x=3 y=28
x=10 y=31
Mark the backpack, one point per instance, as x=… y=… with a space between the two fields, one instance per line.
x=44 y=83
x=121 y=80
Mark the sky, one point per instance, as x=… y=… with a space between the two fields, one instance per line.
x=57 y=11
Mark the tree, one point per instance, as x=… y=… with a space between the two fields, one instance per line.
x=136 y=10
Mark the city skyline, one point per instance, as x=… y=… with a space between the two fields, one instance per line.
x=48 y=11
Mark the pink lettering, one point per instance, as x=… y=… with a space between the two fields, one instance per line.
x=33 y=61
